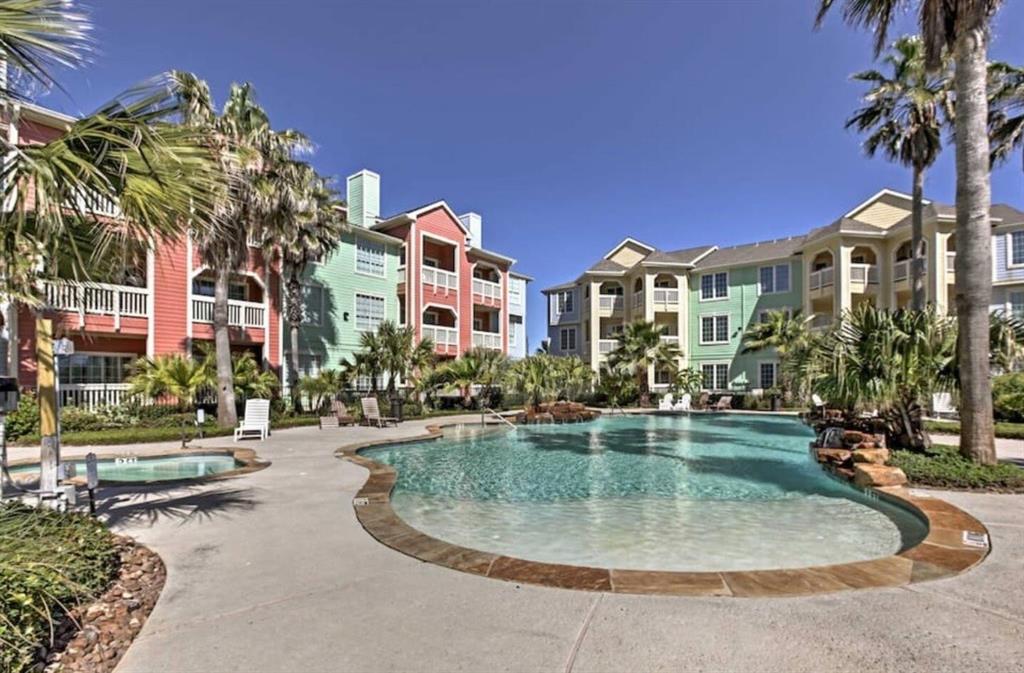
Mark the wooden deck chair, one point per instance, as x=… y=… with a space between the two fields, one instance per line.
x=256 y=420
x=371 y=412
x=724 y=402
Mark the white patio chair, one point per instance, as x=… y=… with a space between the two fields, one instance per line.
x=683 y=404
x=665 y=403
x=817 y=401
x=256 y=420
x=371 y=412
x=942 y=405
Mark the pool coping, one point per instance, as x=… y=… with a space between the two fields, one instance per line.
x=251 y=462
x=941 y=554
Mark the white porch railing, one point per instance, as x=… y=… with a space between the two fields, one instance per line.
x=439 y=278
x=822 y=278
x=663 y=295
x=866 y=274
x=670 y=339
x=441 y=336
x=487 y=289
x=489 y=340
x=240 y=313
x=950 y=262
x=98 y=299
x=605 y=346
x=610 y=302
x=93 y=395
x=94 y=204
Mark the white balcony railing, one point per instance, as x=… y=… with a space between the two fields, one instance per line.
x=822 y=278
x=440 y=279
x=638 y=299
x=606 y=346
x=94 y=204
x=489 y=340
x=901 y=269
x=240 y=313
x=820 y=321
x=441 y=336
x=487 y=289
x=610 y=302
x=93 y=395
x=670 y=339
x=950 y=262
x=98 y=299
x=663 y=295
x=865 y=274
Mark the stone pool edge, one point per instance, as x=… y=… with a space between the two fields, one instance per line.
x=941 y=554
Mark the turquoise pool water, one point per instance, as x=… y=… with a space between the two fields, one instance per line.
x=701 y=492
x=150 y=469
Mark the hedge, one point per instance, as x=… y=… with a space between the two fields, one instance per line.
x=944 y=467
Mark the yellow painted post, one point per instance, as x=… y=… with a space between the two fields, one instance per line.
x=49 y=455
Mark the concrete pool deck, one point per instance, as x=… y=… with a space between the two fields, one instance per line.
x=271 y=571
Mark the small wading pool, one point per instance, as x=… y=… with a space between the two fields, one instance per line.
x=157 y=468
x=692 y=493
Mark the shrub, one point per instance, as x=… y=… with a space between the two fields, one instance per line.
x=49 y=563
x=1008 y=397
x=944 y=467
x=24 y=420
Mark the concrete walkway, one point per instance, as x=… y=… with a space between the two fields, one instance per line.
x=272 y=572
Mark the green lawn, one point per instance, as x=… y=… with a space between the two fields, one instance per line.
x=944 y=467
x=1005 y=430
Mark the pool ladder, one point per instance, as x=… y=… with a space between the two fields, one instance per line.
x=492 y=412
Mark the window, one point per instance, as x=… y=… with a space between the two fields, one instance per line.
x=204 y=287
x=93 y=368
x=714 y=286
x=1016 y=248
x=369 y=312
x=515 y=323
x=567 y=339
x=1017 y=304
x=774 y=279
x=714 y=329
x=430 y=261
x=515 y=292
x=663 y=377
x=565 y=301
x=716 y=376
x=312 y=305
x=369 y=257
x=769 y=374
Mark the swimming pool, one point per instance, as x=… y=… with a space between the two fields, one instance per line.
x=161 y=468
x=690 y=493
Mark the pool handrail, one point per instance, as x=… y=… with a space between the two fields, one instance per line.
x=486 y=410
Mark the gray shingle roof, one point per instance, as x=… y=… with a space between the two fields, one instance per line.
x=1007 y=213
x=606 y=265
x=842 y=224
x=684 y=256
x=752 y=253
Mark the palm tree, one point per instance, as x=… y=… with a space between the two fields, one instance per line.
x=535 y=378
x=786 y=333
x=174 y=376
x=249 y=378
x=306 y=228
x=1006 y=341
x=1006 y=116
x=638 y=348
x=902 y=116
x=493 y=366
x=463 y=373
x=401 y=353
x=575 y=375
x=962 y=28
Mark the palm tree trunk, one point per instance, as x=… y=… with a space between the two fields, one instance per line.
x=294 y=290
x=974 y=252
x=227 y=416
x=917 y=242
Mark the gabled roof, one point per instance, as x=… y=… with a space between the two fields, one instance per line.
x=843 y=225
x=607 y=266
x=686 y=256
x=878 y=195
x=752 y=253
x=419 y=210
x=1007 y=213
x=629 y=241
x=488 y=254
x=561 y=286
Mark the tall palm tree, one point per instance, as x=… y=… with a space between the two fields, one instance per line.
x=401 y=353
x=368 y=361
x=1006 y=117
x=788 y=334
x=535 y=377
x=462 y=374
x=638 y=348
x=903 y=117
x=962 y=28
x=306 y=228
x=576 y=376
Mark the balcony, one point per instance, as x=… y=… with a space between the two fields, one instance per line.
x=447 y=281
x=864 y=274
x=609 y=304
x=950 y=263
x=821 y=278
x=638 y=299
x=486 y=292
x=91 y=395
x=820 y=322
x=901 y=270
x=98 y=299
x=606 y=346
x=94 y=204
x=446 y=339
x=670 y=339
x=488 y=340
x=666 y=298
x=244 y=314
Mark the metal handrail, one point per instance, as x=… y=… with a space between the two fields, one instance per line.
x=488 y=410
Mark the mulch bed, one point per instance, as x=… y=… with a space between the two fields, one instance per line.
x=94 y=636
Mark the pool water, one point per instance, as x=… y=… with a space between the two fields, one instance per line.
x=163 y=468
x=688 y=493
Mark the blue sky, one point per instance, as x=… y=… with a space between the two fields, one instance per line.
x=566 y=125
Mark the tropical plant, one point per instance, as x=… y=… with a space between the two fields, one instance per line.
x=368 y=361
x=176 y=376
x=426 y=381
x=620 y=387
x=961 y=28
x=689 y=380
x=463 y=373
x=323 y=387
x=903 y=116
x=786 y=333
x=401 y=355
x=1006 y=341
x=638 y=348
x=250 y=379
x=1006 y=113
x=535 y=378
x=575 y=377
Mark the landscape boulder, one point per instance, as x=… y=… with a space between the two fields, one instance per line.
x=871 y=474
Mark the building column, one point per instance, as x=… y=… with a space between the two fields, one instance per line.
x=842 y=300
x=935 y=270
x=595 y=326
x=683 y=318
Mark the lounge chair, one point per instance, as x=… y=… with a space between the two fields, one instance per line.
x=817 y=401
x=724 y=402
x=666 y=403
x=256 y=420
x=702 y=402
x=942 y=405
x=338 y=417
x=683 y=404
x=371 y=412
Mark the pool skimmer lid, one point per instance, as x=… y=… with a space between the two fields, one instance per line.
x=972 y=539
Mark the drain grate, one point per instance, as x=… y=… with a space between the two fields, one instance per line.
x=972 y=539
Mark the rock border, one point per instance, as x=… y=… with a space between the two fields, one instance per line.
x=93 y=637
x=943 y=553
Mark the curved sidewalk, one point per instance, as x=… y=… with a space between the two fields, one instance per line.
x=271 y=571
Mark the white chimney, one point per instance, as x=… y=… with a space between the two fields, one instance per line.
x=474 y=223
x=363 y=196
